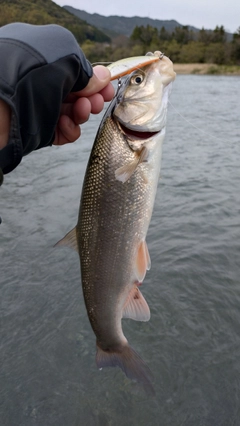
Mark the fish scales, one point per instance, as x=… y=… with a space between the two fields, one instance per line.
x=115 y=210
x=112 y=221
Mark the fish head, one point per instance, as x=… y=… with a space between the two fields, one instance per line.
x=142 y=99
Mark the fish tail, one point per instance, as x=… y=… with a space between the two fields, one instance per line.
x=130 y=363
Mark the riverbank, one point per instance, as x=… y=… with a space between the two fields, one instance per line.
x=211 y=69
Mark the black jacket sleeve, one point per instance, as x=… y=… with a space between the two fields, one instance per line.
x=39 y=67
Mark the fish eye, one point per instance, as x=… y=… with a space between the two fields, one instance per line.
x=137 y=79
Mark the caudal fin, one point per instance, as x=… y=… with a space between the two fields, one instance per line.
x=130 y=363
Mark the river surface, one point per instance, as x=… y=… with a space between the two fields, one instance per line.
x=48 y=374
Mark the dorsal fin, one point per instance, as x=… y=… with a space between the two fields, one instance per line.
x=70 y=240
x=136 y=306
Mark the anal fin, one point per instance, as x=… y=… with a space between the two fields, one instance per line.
x=136 y=306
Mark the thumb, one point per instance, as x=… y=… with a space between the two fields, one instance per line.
x=100 y=79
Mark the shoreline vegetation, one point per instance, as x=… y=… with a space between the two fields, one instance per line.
x=206 y=69
x=192 y=51
x=205 y=52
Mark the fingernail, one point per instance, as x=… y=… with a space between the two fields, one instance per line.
x=101 y=72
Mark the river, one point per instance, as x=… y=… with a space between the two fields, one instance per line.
x=48 y=374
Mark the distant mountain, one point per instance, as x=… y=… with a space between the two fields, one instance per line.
x=115 y=25
x=41 y=12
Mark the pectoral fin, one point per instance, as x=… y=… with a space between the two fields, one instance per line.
x=136 y=306
x=125 y=172
x=70 y=240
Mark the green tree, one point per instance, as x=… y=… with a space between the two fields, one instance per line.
x=204 y=36
x=145 y=35
x=183 y=35
x=173 y=50
x=219 y=35
x=193 y=52
x=235 y=47
x=215 y=53
x=164 y=35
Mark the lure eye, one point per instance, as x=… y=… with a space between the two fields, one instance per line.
x=137 y=79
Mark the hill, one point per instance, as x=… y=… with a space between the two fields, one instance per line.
x=116 y=25
x=41 y=12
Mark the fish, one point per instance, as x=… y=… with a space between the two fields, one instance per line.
x=116 y=206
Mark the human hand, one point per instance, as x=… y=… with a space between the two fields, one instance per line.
x=75 y=110
x=78 y=106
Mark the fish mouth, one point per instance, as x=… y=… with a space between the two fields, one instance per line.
x=136 y=134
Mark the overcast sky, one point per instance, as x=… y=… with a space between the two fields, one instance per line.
x=202 y=13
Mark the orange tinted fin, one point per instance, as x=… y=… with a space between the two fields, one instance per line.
x=143 y=262
x=70 y=240
x=130 y=363
x=136 y=306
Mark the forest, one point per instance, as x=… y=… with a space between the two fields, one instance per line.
x=43 y=12
x=182 y=45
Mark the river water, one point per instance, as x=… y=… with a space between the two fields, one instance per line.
x=48 y=374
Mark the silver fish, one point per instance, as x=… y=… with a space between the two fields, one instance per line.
x=115 y=210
